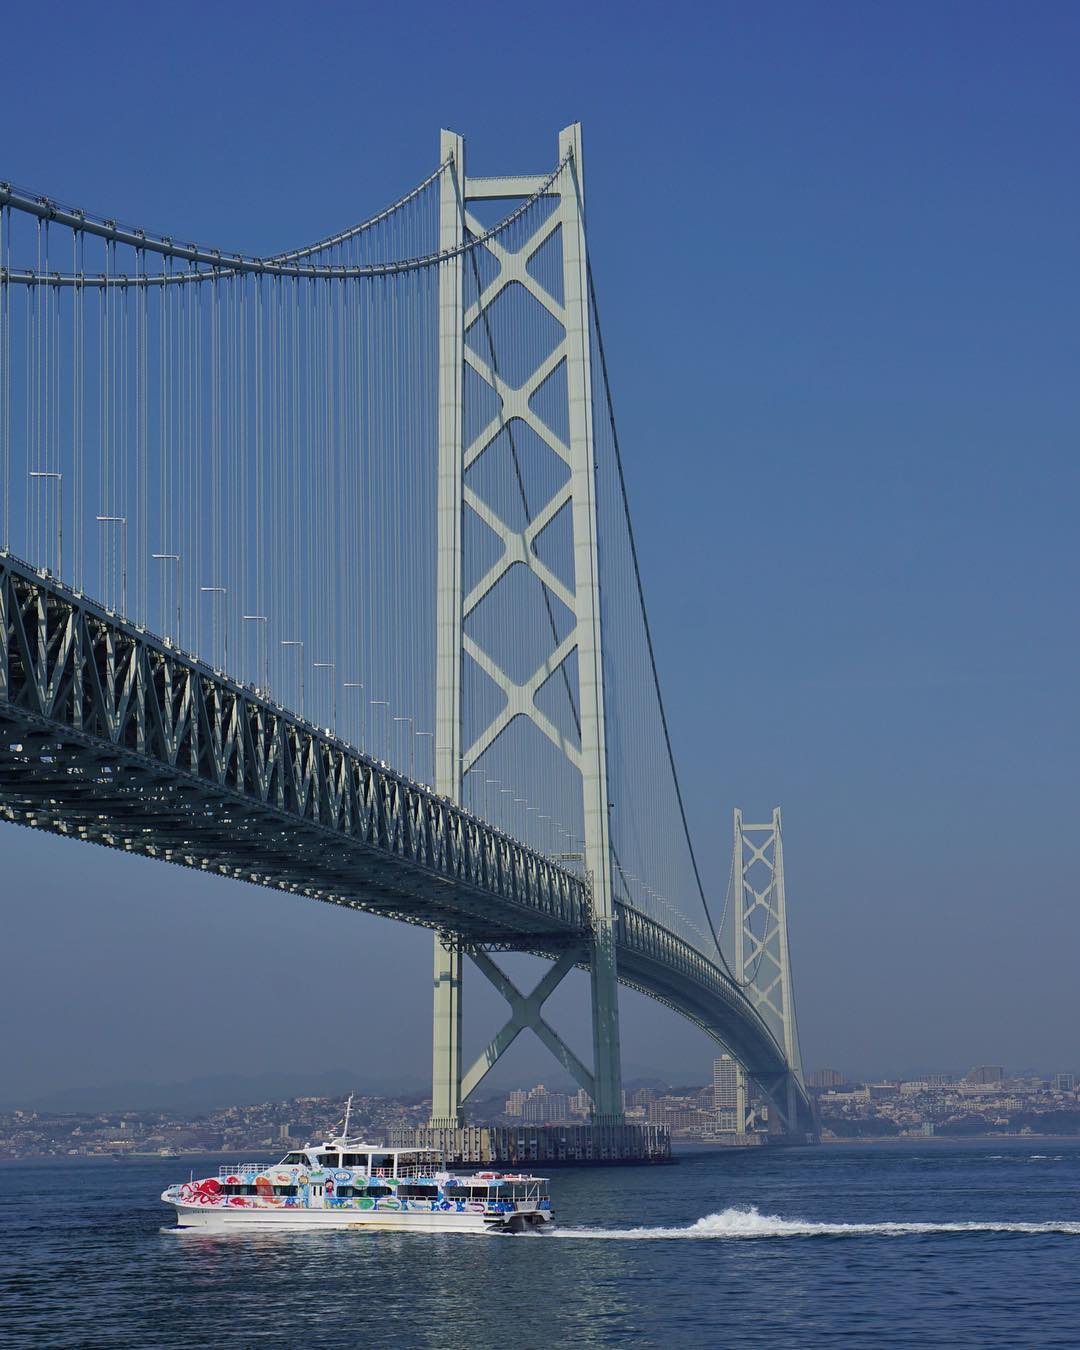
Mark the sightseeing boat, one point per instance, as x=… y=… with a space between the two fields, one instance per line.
x=345 y=1183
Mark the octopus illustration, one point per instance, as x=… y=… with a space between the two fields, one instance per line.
x=206 y=1192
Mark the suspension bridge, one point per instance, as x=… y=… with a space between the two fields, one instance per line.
x=317 y=571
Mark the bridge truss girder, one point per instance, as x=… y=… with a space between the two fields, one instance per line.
x=109 y=734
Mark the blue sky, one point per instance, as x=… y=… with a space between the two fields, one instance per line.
x=837 y=261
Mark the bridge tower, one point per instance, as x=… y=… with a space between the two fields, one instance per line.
x=468 y=304
x=762 y=952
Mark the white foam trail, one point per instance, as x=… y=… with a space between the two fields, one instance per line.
x=749 y=1223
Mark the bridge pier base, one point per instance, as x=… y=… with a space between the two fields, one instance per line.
x=515 y=1146
x=781 y=1094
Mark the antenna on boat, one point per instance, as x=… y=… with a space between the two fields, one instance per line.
x=348 y=1111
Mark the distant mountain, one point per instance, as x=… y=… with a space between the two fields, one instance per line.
x=217 y=1090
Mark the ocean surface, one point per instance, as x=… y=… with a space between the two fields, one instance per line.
x=915 y=1244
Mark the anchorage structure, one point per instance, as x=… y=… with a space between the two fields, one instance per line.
x=461 y=445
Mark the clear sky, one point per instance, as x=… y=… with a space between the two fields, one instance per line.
x=836 y=247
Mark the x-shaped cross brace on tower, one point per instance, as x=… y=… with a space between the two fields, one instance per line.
x=525 y=1012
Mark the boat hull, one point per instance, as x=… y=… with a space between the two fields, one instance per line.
x=215 y=1218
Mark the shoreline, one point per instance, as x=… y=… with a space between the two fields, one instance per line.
x=845 y=1141
x=954 y=1139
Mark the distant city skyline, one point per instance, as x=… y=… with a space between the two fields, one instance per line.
x=985 y=1102
x=215 y=1091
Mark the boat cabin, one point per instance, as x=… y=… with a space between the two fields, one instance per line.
x=371 y=1159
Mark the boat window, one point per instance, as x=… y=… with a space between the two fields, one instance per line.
x=293 y=1160
x=329 y=1159
x=385 y=1160
x=377 y=1190
x=354 y=1160
x=418 y=1191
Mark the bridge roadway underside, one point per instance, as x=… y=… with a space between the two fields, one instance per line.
x=54 y=779
x=111 y=736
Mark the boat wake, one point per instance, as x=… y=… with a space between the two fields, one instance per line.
x=749 y=1223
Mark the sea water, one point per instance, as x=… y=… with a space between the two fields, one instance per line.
x=912 y=1244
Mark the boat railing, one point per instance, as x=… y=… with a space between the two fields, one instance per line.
x=231 y=1169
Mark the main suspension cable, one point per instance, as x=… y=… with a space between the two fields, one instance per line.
x=218 y=262
x=645 y=620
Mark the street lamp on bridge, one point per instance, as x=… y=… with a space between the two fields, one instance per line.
x=59 y=480
x=508 y=792
x=122 y=522
x=261 y=618
x=432 y=735
x=383 y=703
x=355 y=684
x=410 y=751
x=223 y=591
x=330 y=665
x=296 y=642
x=172 y=557
x=487 y=782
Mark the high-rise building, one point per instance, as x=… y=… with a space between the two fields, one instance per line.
x=987 y=1075
x=581 y=1103
x=826 y=1078
x=542 y=1107
x=1064 y=1082
x=538 y=1105
x=727 y=1080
